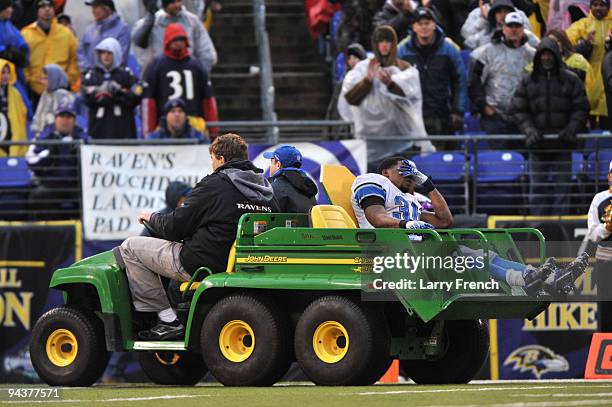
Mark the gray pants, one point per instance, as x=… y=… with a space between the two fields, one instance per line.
x=147 y=258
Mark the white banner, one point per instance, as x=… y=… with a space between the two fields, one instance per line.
x=119 y=182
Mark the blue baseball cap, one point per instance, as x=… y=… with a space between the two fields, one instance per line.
x=288 y=156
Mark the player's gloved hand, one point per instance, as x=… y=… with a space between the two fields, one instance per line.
x=416 y=224
x=408 y=169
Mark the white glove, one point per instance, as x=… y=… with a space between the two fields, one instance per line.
x=408 y=169
x=418 y=224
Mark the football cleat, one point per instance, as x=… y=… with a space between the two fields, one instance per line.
x=562 y=281
x=535 y=276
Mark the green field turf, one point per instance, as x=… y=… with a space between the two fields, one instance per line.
x=513 y=394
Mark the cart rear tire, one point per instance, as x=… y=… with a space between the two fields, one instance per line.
x=467 y=348
x=339 y=342
x=180 y=368
x=245 y=341
x=67 y=347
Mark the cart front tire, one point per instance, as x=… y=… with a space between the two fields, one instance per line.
x=67 y=347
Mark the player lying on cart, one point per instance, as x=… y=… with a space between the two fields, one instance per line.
x=387 y=200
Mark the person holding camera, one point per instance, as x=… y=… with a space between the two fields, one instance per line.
x=111 y=93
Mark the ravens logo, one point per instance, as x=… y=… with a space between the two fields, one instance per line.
x=536 y=359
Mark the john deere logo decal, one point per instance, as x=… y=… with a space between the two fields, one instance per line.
x=266 y=259
x=536 y=359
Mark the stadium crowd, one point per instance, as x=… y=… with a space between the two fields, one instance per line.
x=472 y=59
x=52 y=72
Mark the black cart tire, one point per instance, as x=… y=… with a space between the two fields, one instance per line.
x=339 y=342
x=179 y=368
x=67 y=347
x=467 y=348
x=245 y=341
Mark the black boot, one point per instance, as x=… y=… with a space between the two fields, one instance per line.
x=535 y=277
x=563 y=279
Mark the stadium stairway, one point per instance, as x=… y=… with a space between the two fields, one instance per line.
x=301 y=77
x=236 y=87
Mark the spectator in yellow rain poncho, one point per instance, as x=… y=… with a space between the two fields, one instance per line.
x=589 y=35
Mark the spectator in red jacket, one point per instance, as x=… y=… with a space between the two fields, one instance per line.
x=177 y=74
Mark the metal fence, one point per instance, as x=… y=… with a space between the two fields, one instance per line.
x=473 y=177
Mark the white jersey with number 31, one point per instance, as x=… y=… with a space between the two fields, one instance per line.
x=398 y=204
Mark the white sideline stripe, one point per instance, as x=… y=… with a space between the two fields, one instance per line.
x=373 y=393
x=556 y=403
x=543 y=381
x=564 y=395
x=187 y=396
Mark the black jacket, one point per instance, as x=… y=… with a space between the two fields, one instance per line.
x=112 y=115
x=208 y=220
x=551 y=101
x=294 y=191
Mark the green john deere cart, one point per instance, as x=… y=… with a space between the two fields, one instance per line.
x=298 y=287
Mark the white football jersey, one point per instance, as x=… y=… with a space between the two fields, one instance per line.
x=398 y=204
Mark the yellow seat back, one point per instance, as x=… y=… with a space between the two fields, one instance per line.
x=231 y=262
x=337 y=181
x=330 y=217
x=231 y=259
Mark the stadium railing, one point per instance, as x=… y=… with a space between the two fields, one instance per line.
x=473 y=178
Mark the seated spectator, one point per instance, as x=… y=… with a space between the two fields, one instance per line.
x=293 y=188
x=176 y=74
x=176 y=193
x=385 y=94
x=111 y=92
x=50 y=43
x=13 y=47
x=441 y=73
x=497 y=68
x=174 y=123
x=55 y=93
x=56 y=166
x=149 y=32
x=397 y=14
x=484 y=21
x=589 y=36
x=550 y=100
x=106 y=24
x=14 y=111
x=338 y=107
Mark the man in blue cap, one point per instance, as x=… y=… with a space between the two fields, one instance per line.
x=293 y=189
x=56 y=166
